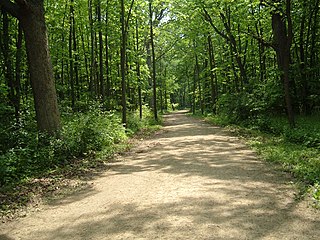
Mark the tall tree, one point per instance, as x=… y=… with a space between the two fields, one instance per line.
x=154 y=77
x=124 y=33
x=31 y=15
x=283 y=36
x=123 y=64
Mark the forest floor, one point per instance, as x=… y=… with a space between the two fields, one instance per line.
x=191 y=180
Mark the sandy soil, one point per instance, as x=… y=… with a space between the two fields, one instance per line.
x=190 y=181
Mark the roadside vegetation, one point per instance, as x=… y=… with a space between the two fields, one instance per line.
x=33 y=165
x=296 y=150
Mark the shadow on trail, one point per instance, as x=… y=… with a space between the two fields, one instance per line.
x=253 y=205
x=155 y=222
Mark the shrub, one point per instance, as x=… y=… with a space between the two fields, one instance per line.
x=134 y=123
x=82 y=133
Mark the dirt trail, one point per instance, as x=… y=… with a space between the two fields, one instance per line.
x=191 y=181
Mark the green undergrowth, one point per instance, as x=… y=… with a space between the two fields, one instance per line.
x=296 y=150
x=29 y=161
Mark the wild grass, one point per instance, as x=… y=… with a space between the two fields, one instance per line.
x=296 y=150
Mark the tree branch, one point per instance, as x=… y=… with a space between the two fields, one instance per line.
x=129 y=15
x=10 y=7
x=161 y=14
x=168 y=49
x=208 y=18
x=261 y=40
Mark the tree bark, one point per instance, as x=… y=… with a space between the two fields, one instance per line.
x=123 y=65
x=101 y=80
x=213 y=75
x=71 y=59
x=302 y=64
x=154 y=81
x=92 y=50
x=108 y=84
x=138 y=70
x=31 y=16
x=18 y=72
x=282 y=43
x=8 y=68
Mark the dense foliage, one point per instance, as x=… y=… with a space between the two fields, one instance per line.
x=27 y=154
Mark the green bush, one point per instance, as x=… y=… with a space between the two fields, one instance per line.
x=134 y=123
x=28 y=153
x=34 y=154
x=240 y=107
x=90 y=132
x=297 y=150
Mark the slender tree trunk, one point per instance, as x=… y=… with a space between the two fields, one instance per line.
x=197 y=80
x=92 y=49
x=85 y=50
x=160 y=86
x=8 y=68
x=302 y=64
x=155 y=110
x=71 y=59
x=213 y=75
x=108 y=86
x=123 y=65
x=138 y=70
x=314 y=37
x=165 y=90
x=262 y=55
x=76 y=58
x=194 y=91
x=18 y=72
x=101 y=80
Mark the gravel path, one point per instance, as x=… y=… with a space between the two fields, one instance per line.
x=191 y=181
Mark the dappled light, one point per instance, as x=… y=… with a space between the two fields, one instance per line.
x=190 y=181
x=159 y=119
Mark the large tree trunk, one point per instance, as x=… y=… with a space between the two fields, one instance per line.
x=31 y=16
x=282 y=41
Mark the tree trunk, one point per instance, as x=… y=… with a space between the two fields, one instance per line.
x=31 y=16
x=155 y=110
x=92 y=49
x=71 y=59
x=108 y=85
x=194 y=91
x=18 y=72
x=314 y=38
x=302 y=65
x=8 y=68
x=138 y=70
x=123 y=65
x=76 y=58
x=102 y=91
x=213 y=76
x=282 y=42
